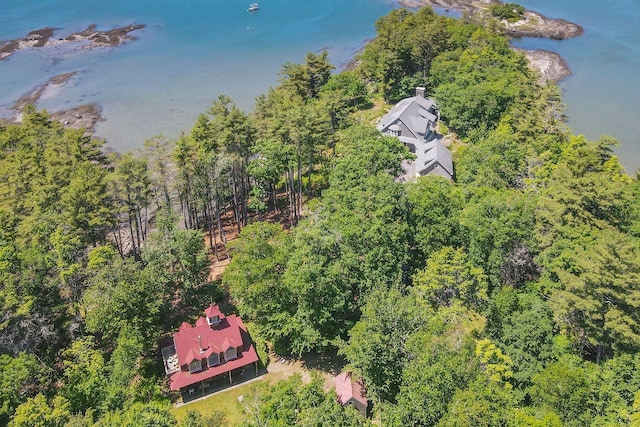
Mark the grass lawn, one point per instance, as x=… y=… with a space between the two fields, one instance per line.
x=226 y=401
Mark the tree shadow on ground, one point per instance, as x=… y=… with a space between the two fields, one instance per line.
x=330 y=362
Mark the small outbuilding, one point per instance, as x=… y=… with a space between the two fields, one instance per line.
x=351 y=392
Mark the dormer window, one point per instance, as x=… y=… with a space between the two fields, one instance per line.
x=213 y=320
x=214 y=359
x=195 y=366
x=394 y=130
x=230 y=354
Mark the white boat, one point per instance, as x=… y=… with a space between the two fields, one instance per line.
x=253 y=6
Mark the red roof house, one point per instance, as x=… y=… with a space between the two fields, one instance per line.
x=216 y=345
x=350 y=392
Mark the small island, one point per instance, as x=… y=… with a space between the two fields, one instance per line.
x=528 y=23
x=515 y=21
x=92 y=37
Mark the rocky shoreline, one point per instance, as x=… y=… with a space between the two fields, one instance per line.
x=532 y=24
x=89 y=38
x=550 y=65
x=536 y=25
x=84 y=116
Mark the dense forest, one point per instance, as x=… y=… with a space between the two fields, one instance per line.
x=508 y=297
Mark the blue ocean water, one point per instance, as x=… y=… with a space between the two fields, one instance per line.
x=193 y=50
x=603 y=93
x=189 y=53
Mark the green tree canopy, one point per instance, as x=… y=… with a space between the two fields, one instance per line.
x=448 y=277
x=377 y=350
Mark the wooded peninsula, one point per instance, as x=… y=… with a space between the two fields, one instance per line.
x=505 y=292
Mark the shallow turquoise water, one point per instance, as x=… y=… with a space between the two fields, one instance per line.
x=192 y=51
x=189 y=53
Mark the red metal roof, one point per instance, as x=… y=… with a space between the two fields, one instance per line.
x=202 y=340
x=227 y=344
x=182 y=379
x=347 y=389
x=213 y=310
x=191 y=356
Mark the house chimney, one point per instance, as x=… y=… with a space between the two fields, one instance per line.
x=200 y=343
x=420 y=91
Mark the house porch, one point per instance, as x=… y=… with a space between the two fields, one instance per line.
x=221 y=382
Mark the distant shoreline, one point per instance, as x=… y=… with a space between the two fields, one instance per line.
x=550 y=65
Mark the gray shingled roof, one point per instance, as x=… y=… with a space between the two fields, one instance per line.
x=432 y=152
x=413 y=112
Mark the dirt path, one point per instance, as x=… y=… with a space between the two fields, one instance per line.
x=280 y=368
x=327 y=365
x=230 y=228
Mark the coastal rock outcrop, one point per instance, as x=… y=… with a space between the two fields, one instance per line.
x=43 y=38
x=84 y=116
x=114 y=37
x=550 y=65
x=532 y=23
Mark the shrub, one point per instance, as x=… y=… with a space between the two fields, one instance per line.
x=510 y=11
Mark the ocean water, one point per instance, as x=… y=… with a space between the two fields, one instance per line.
x=603 y=93
x=193 y=50
x=189 y=53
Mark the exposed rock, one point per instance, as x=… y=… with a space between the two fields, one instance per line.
x=84 y=116
x=459 y=5
x=532 y=25
x=43 y=38
x=39 y=38
x=36 y=38
x=536 y=25
x=550 y=65
x=114 y=37
x=30 y=98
